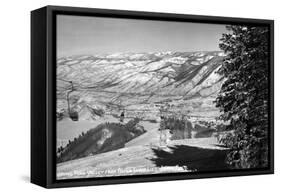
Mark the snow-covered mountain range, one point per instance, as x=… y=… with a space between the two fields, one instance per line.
x=138 y=79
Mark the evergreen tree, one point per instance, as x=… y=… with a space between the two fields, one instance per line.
x=243 y=98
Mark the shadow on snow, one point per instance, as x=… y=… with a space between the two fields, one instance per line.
x=194 y=158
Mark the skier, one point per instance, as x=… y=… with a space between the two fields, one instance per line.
x=163 y=136
x=122 y=116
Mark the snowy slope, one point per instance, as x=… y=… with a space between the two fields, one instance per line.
x=178 y=156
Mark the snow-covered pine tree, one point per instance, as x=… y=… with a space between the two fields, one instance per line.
x=243 y=98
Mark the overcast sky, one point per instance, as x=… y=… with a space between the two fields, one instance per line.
x=79 y=35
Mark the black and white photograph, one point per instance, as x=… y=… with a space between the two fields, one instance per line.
x=143 y=97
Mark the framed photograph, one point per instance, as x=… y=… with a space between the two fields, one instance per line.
x=126 y=96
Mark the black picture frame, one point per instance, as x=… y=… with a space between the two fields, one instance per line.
x=43 y=95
